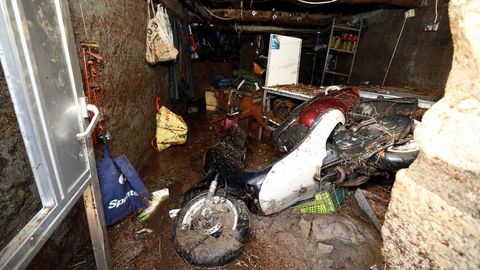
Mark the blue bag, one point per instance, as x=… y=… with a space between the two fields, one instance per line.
x=123 y=192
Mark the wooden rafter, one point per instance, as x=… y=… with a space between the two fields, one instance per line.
x=276 y=18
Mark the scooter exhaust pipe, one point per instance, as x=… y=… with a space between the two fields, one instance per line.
x=341 y=174
x=356 y=181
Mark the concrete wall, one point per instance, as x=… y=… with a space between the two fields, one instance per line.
x=423 y=59
x=130 y=86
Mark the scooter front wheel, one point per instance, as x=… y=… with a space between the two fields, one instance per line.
x=216 y=242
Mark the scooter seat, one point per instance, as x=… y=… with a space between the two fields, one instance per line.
x=230 y=166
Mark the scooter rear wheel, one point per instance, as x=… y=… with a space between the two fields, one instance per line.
x=397 y=157
x=215 y=246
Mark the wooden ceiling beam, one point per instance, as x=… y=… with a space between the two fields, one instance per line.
x=274 y=18
x=400 y=3
x=277 y=18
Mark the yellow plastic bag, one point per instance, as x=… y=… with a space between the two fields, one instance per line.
x=171 y=128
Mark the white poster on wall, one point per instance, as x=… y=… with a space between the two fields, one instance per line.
x=283 y=60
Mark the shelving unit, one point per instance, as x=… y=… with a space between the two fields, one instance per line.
x=336 y=52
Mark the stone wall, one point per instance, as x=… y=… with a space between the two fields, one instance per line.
x=423 y=59
x=433 y=218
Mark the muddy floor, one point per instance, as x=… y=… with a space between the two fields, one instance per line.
x=287 y=240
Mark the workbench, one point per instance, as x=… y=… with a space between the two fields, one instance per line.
x=365 y=93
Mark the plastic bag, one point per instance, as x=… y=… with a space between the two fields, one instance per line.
x=171 y=128
x=159 y=44
x=123 y=192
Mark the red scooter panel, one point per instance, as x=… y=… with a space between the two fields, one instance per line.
x=342 y=100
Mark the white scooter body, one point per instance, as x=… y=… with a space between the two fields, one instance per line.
x=291 y=179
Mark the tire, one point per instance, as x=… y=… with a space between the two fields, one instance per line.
x=218 y=248
x=396 y=158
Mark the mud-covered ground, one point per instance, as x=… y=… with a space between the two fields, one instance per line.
x=287 y=240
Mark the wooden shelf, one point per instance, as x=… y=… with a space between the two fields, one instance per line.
x=341 y=51
x=346 y=28
x=349 y=56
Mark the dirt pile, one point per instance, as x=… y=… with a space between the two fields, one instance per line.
x=319 y=242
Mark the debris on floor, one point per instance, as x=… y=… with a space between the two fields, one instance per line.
x=326 y=201
x=349 y=238
x=367 y=209
x=143 y=233
x=157 y=197
x=282 y=107
x=343 y=241
x=125 y=251
x=319 y=242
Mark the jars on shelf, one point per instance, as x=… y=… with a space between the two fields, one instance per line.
x=345 y=42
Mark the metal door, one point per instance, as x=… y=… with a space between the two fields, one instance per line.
x=41 y=66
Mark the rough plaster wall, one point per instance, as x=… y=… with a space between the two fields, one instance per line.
x=423 y=59
x=433 y=219
x=130 y=84
x=19 y=200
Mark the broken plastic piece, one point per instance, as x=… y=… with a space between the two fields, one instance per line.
x=144 y=232
x=367 y=209
x=157 y=197
x=173 y=213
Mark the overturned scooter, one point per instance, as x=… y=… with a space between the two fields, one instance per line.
x=213 y=226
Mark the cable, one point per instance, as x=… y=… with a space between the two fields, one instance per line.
x=316 y=3
x=226 y=187
x=83 y=20
x=241 y=9
x=436 y=11
x=394 y=51
x=218 y=17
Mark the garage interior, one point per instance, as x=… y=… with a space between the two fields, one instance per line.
x=426 y=216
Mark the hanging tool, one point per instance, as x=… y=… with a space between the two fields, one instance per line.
x=91 y=75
